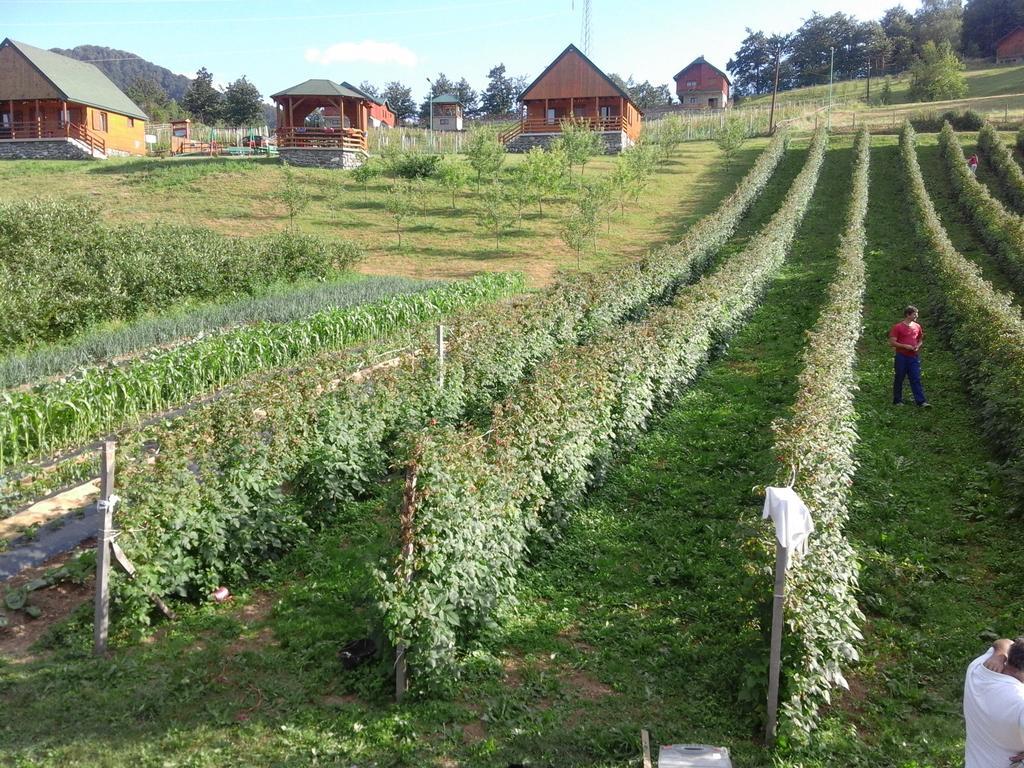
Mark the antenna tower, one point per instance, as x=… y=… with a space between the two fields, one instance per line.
x=585 y=27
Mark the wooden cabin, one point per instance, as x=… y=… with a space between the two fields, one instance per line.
x=573 y=88
x=446 y=113
x=700 y=85
x=1010 y=47
x=52 y=106
x=381 y=114
x=322 y=123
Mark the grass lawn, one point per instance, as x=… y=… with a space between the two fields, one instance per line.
x=236 y=196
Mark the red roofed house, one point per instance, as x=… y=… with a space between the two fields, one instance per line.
x=1010 y=47
x=700 y=85
x=573 y=88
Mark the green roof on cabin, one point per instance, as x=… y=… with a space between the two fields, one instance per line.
x=446 y=98
x=77 y=81
x=321 y=88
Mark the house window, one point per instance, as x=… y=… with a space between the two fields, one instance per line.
x=131 y=122
x=444 y=121
x=99 y=121
x=693 y=99
x=550 y=117
x=691 y=83
x=606 y=111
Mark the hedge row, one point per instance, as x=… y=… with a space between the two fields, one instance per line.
x=97 y=400
x=209 y=505
x=819 y=437
x=64 y=270
x=1000 y=157
x=1002 y=231
x=985 y=329
x=479 y=500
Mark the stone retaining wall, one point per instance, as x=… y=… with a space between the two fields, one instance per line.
x=614 y=142
x=42 y=149
x=321 y=157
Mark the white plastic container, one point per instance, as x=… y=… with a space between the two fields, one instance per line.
x=693 y=756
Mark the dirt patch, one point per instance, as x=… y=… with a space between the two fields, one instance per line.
x=56 y=604
x=474 y=733
x=347 y=700
x=258 y=608
x=582 y=686
x=262 y=639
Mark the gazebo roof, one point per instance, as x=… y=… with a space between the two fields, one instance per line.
x=446 y=98
x=321 y=88
x=78 y=81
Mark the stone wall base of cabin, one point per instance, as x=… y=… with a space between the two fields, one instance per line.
x=321 y=157
x=614 y=142
x=43 y=149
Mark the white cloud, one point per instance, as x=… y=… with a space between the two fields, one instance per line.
x=370 y=51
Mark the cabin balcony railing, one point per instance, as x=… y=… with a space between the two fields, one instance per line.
x=349 y=139
x=542 y=125
x=52 y=129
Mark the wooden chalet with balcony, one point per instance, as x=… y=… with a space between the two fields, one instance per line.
x=55 y=107
x=322 y=123
x=700 y=85
x=572 y=88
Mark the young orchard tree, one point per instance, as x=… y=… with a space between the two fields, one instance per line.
x=621 y=180
x=579 y=224
x=400 y=206
x=293 y=195
x=366 y=173
x=671 y=133
x=494 y=211
x=641 y=159
x=602 y=197
x=452 y=175
x=522 y=190
x=544 y=170
x=731 y=138
x=486 y=154
x=579 y=143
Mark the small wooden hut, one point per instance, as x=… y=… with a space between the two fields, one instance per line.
x=1010 y=47
x=446 y=111
x=573 y=88
x=53 y=106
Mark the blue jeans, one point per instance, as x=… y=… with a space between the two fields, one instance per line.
x=907 y=367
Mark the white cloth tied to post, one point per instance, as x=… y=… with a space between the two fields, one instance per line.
x=792 y=519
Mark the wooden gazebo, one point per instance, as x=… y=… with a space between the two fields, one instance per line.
x=350 y=108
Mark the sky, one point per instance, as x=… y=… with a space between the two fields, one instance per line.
x=279 y=43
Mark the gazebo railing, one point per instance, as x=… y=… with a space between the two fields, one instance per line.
x=349 y=139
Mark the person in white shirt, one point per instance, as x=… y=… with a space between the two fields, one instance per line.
x=994 y=706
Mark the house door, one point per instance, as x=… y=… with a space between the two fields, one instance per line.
x=550 y=117
x=713 y=103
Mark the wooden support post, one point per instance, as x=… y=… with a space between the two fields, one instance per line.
x=103 y=550
x=775 y=654
x=440 y=355
x=408 y=549
x=645 y=742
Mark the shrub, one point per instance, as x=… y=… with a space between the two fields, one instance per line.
x=1000 y=158
x=408 y=165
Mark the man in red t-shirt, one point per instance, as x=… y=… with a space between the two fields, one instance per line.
x=906 y=338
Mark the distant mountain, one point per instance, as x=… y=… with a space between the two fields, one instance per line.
x=123 y=68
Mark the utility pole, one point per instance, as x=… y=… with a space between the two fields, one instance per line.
x=430 y=125
x=775 y=93
x=831 y=69
x=869 y=83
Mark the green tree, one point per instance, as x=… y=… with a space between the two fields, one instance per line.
x=400 y=205
x=439 y=86
x=731 y=138
x=521 y=190
x=202 y=100
x=939 y=21
x=937 y=74
x=579 y=143
x=400 y=98
x=149 y=96
x=501 y=95
x=452 y=175
x=293 y=195
x=486 y=154
x=366 y=173
x=494 y=211
x=579 y=224
x=544 y=169
x=243 y=103
x=369 y=89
